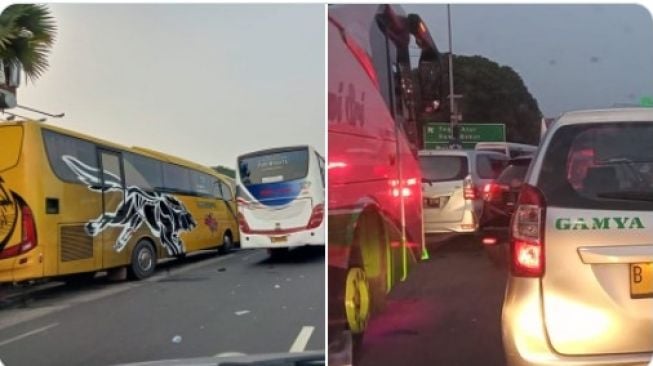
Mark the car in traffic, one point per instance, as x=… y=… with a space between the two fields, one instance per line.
x=499 y=199
x=511 y=149
x=451 y=187
x=580 y=288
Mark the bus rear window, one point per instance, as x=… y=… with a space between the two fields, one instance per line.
x=274 y=167
x=443 y=168
x=11 y=138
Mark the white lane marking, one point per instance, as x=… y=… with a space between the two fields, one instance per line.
x=13 y=317
x=302 y=339
x=27 y=334
x=230 y=354
x=22 y=315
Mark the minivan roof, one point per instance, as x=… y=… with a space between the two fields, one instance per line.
x=607 y=115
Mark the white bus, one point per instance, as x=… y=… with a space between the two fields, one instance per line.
x=280 y=198
x=511 y=149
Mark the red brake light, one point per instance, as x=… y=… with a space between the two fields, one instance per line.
x=244 y=226
x=492 y=192
x=527 y=234
x=489 y=241
x=28 y=238
x=317 y=216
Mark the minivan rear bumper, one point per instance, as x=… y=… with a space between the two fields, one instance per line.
x=525 y=340
x=468 y=224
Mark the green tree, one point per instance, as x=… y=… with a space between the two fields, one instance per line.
x=225 y=170
x=27 y=33
x=491 y=94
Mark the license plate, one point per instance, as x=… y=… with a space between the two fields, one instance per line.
x=641 y=280
x=433 y=202
x=279 y=239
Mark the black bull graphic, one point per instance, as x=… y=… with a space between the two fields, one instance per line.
x=165 y=215
x=9 y=210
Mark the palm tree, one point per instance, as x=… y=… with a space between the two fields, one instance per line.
x=27 y=34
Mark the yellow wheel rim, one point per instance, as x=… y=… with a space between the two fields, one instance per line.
x=357 y=300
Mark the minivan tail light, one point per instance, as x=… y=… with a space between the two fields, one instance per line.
x=527 y=234
x=317 y=216
x=469 y=190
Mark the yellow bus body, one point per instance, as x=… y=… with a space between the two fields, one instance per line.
x=57 y=220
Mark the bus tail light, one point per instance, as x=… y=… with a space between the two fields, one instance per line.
x=244 y=226
x=28 y=238
x=527 y=234
x=317 y=216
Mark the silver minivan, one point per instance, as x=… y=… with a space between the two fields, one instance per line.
x=452 y=182
x=580 y=289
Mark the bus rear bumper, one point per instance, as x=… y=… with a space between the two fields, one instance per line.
x=21 y=268
x=290 y=240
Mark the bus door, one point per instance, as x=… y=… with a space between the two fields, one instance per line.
x=114 y=252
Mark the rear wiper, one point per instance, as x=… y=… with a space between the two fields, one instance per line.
x=628 y=195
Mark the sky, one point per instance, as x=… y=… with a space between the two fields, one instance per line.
x=569 y=56
x=202 y=82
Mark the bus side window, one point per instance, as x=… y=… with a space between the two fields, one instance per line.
x=320 y=162
x=217 y=193
x=226 y=192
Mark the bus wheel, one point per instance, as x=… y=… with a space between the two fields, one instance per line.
x=143 y=261
x=357 y=300
x=227 y=244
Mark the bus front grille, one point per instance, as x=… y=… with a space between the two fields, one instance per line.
x=75 y=243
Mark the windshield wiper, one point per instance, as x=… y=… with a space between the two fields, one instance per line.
x=628 y=195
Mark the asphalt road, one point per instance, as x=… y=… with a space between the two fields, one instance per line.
x=448 y=312
x=202 y=306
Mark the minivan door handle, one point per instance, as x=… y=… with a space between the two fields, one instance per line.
x=616 y=254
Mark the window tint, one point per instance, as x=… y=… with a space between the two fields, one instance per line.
x=58 y=145
x=443 y=168
x=142 y=172
x=176 y=178
x=488 y=166
x=513 y=175
x=226 y=192
x=601 y=166
x=320 y=162
x=202 y=183
x=274 y=167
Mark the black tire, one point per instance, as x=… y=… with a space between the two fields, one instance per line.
x=277 y=253
x=143 y=261
x=372 y=234
x=227 y=244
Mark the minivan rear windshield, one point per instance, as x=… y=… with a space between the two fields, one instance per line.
x=443 y=168
x=600 y=166
x=11 y=139
x=273 y=167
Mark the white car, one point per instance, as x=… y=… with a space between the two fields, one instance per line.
x=452 y=182
x=580 y=291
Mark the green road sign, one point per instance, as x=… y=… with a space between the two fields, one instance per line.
x=646 y=102
x=437 y=135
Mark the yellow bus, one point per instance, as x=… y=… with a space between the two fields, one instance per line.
x=72 y=205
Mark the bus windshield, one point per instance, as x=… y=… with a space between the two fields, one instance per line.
x=273 y=167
